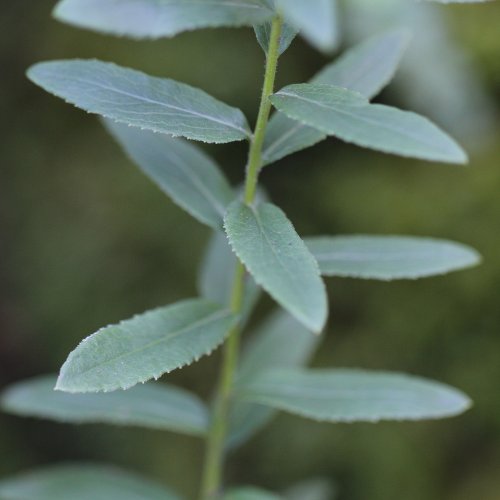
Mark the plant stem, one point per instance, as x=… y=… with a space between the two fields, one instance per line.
x=213 y=466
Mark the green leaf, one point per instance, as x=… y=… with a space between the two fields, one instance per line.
x=267 y=244
x=216 y=276
x=263 y=34
x=145 y=347
x=317 y=20
x=354 y=395
x=157 y=19
x=366 y=69
x=313 y=489
x=155 y=406
x=349 y=116
x=250 y=493
x=180 y=169
x=82 y=482
x=459 y=1
x=136 y=99
x=264 y=352
x=389 y=257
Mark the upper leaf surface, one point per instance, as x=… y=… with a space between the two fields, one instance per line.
x=134 y=98
x=82 y=482
x=156 y=19
x=354 y=395
x=267 y=244
x=349 y=116
x=180 y=169
x=156 y=406
x=366 y=68
x=312 y=489
x=145 y=347
x=317 y=21
x=389 y=257
x=263 y=34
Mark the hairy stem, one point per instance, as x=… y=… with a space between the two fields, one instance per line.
x=214 y=459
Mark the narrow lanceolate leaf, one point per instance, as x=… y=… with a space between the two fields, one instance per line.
x=156 y=19
x=354 y=395
x=216 y=276
x=264 y=352
x=82 y=482
x=389 y=257
x=145 y=347
x=349 y=116
x=155 y=406
x=250 y=493
x=263 y=34
x=180 y=169
x=312 y=489
x=317 y=21
x=267 y=244
x=366 y=68
x=136 y=99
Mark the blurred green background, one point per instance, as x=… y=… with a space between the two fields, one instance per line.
x=86 y=240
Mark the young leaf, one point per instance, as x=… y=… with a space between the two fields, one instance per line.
x=180 y=169
x=154 y=19
x=134 y=98
x=263 y=34
x=155 y=406
x=313 y=489
x=349 y=116
x=366 y=69
x=267 y=244
x=250 y=493
x=389 y=257
x=82 y=482
x=264 y=352
x=145 y=347
x=216 y=276
x=354 y=395
x=317 y=20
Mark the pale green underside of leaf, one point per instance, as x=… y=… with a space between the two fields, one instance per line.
x=264 y=352
x=216 y=276
x=312 y=489
x=250 y=493
x=82 y=482
x=317 y=21
x=389 y=257
x=349 y=116
x=134 y=98
x=180 y=169
x=354 y=395
x=263 y=34
x=157 y=19
x=366 y=68
x=267 y=244
x=155 y=406
x=145 y=347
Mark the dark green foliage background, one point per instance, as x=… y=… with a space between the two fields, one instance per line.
x=86 y=240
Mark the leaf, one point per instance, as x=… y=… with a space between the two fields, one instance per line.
x=250 y=493
x=82 y=482
x=216 y=276
x=389 y=257
x=459 y=1
x=354 y=395
x=134 y=98
x=156 y=19
x=313 y=489
x=145 y=347
x=349 y=116
x=267 y=244
x=366 y=69
x=263 y=34
x=155 y=406
x=180 y=169
x=264 y=352
x=317 y=20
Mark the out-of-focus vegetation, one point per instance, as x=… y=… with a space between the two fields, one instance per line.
x=86 y=240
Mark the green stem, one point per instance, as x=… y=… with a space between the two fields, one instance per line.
x=213 y=466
